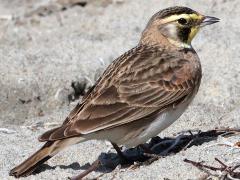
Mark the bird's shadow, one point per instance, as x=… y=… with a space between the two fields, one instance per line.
x=161 y=147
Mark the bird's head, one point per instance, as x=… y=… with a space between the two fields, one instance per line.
x=177 y=25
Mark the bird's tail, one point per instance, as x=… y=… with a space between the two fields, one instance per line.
x=30 y=164
x=50 y=149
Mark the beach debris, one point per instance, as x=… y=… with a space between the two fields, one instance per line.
x=222 y=172
x=7 y=131
x=79 y=89
x=43 y=125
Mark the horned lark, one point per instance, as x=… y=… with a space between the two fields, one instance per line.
x=140 y=94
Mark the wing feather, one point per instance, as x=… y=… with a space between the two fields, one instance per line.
x=143 y=81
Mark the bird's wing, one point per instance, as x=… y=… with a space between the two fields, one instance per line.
x=142 y=81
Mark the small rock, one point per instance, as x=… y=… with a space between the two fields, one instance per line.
x=7 y=131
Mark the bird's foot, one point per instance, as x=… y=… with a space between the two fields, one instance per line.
x=123 y=158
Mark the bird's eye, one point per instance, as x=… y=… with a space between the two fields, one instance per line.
x=182 y=21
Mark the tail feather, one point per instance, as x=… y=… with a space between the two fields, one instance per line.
x=50 y=149
x=38 y=158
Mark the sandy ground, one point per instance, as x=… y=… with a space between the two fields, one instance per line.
x=42 y=51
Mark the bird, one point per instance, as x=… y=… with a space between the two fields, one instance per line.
x=140 y=93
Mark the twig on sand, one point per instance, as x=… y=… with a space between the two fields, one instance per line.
x=223 y=172
x=93 y=167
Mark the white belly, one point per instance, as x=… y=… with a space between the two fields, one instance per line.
x=165 y=119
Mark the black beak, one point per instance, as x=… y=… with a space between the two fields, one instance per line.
x=207 y=20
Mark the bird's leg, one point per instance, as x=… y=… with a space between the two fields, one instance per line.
x=120 y=153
